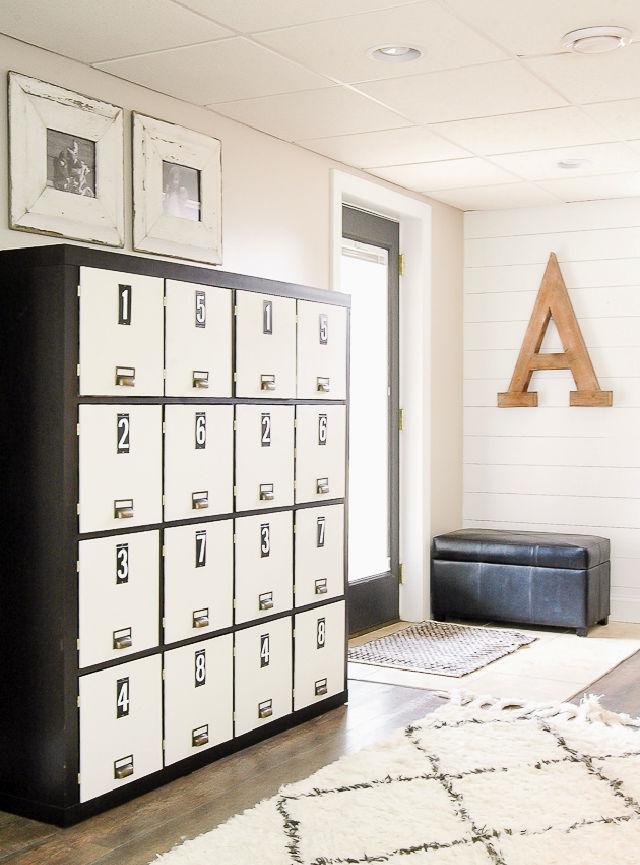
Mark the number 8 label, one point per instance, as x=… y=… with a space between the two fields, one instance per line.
x=321 y=633
x=200 y=667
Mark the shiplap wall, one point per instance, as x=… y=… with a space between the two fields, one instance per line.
x=556 y=468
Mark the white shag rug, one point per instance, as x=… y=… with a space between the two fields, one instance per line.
x=478 y=782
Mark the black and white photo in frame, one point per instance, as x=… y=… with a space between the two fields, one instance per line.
x=66 y=169
x=176 y=191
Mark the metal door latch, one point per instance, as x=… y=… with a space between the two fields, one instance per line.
x=200 y=736
x=267 y=382
x=200 y=379
x=322 y=486
x=200 y=501
x=265 y=709
x=123 y=768
x=266 y=493
x=321 y=687
x=265 y=601
x=201 y=618
x=125 y=376
x=122 y=639
x=123 y=509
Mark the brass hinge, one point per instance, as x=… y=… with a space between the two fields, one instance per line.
x=401 y=573
x=401 y=264
x=400 y=419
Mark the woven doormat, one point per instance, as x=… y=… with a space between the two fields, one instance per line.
x=441 y=648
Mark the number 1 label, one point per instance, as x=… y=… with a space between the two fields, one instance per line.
x=124 y=304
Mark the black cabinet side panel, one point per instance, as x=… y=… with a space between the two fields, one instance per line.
x=34 y=561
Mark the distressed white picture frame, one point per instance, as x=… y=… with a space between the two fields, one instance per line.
x=36 y=106
x=156 y=142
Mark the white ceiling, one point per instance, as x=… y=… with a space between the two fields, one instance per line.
x=480 y=121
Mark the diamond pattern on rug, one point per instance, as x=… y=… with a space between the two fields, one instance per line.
x=478 y=782
x=441 y=648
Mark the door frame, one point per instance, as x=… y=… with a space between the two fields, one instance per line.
x=374 y=600
x=414 y=217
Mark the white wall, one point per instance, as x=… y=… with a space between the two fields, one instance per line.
x=556 y=468
x=277 y=224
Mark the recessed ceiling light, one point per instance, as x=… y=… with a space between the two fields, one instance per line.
x=596 y=40
x=568 y=164
x=395 y=53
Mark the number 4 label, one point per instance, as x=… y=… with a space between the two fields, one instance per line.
x=264 y=650
x=123 y=699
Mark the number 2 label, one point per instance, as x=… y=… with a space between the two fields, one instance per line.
x=265 y=430
x=123 y=431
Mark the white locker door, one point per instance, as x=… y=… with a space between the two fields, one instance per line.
x=118 y=584
x=265 y=345
x=264 y=456
x=120 y=725
x=264 y=565
x=320 y=452
x=322 y=350
x=263 y=674
x=121 y=334
x=319 y=542
x=198 y=579
x=320 y=654
x=198 y=340
x=198 y=697
x=120 y=466
x=198 y=470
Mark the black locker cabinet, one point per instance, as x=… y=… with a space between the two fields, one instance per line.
x=173 y=533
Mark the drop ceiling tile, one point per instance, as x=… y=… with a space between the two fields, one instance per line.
x=391 y=147
x=591 y=188
x=448 y=174
x=312 y=114
x=500 y=197
x=543 y=164
x=538 y=28
x=249 y=16
x=92 y=30
x=476 y=91
x=584 y=78
x=529 y=130
x=622 y=117
x=216 y=72
x=339 y=47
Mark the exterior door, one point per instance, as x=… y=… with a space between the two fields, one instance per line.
x=370 y=274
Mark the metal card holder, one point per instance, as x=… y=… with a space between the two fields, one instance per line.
x=122 y=639
x=266 y=493
x=265 y=601
x=200 y=501
x=123 y=768
x=265 y=709
x=323 y=384
x=320 y=687
x=126 y=376
x=123 y=509
x=267 y=382
x=322 y=486
x=321 y=586
x=200 y=379
x=200 y=618
x=200 y=736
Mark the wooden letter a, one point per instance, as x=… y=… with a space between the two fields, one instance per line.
x=553 y=301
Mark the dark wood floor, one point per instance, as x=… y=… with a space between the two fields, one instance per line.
x=135 y=832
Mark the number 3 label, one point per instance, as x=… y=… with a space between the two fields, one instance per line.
x=265 y=540
x=122 y=563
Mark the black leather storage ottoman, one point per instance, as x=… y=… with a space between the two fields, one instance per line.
x=535 y=578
